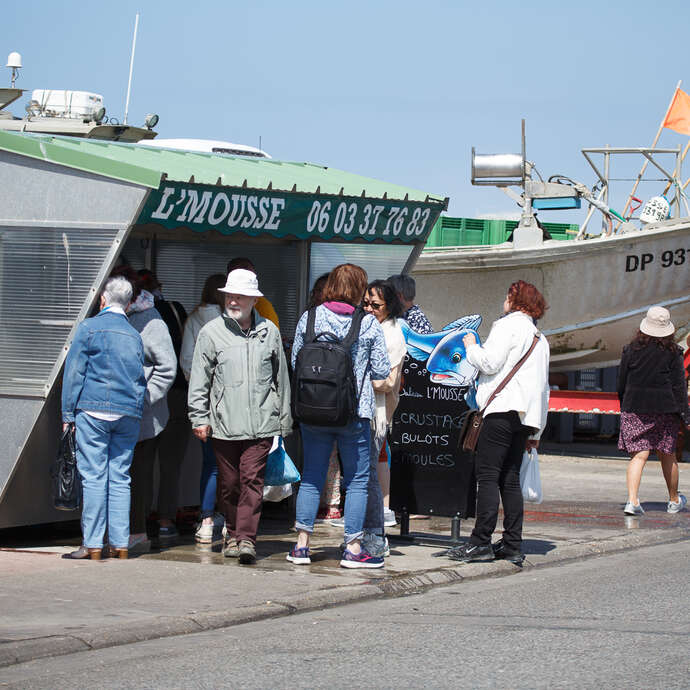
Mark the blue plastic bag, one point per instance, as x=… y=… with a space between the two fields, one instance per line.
x=279 y=467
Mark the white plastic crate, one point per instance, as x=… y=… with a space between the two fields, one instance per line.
x=72 y=104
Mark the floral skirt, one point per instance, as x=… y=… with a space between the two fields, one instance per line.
x=648 y=432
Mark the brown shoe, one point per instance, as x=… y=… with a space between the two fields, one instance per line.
x=247 y=552
x=231 y=548
x=83 y=553
x=118 y=553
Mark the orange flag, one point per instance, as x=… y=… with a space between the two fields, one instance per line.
x=678 y=115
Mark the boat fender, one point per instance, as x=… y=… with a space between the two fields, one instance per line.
x=655 y=210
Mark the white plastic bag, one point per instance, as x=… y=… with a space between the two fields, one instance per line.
x=530 y=479
x=275 y=494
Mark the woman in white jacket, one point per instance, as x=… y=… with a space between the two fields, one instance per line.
x=209 y=308
x=513 y=422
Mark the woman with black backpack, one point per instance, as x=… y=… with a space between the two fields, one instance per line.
x=333 y=400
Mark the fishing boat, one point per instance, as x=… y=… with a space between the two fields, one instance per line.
x=69 y=113
x=598 y=288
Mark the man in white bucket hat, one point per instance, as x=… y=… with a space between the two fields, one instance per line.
x=239 y=399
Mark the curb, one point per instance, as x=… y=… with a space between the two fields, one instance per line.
x=410 y=583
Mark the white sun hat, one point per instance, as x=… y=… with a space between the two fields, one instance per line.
x=657 y=323
x=242 y=282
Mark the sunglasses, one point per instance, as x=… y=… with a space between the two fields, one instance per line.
x=374 y=305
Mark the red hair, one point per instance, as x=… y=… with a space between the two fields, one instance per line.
x=525 y=297
x=345 y=283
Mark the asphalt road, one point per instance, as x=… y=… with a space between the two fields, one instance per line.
x=619 y=621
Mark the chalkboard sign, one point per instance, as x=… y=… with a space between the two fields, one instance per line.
x=430 y=475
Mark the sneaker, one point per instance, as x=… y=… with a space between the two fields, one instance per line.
x=247 y=552
x=204 y=533
x=167 y=535
x=338 y=522
x=471 y=553
x=677 y=507
x=503 y=554
x=139 y=544
x=363 y=559
x=389 y=519
x=376 y=545
x=299 y=556
x=231 y=548
x=631 y=509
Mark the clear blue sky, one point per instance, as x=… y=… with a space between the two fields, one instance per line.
x=399 y=91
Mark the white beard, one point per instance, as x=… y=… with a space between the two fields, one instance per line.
x=238 y=314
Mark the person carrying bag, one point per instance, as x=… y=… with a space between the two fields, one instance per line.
x=513 y=396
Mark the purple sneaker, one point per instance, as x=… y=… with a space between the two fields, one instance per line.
x=299 y=556
x=360 y=560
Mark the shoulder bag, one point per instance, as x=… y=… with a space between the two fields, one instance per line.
x=473 y=420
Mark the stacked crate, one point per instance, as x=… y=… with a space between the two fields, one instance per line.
x=463 y=232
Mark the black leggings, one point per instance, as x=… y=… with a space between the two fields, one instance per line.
x=497 y=467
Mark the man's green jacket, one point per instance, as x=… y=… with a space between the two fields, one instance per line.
x=239 y=383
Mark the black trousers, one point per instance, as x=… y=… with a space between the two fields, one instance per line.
x=497 y=467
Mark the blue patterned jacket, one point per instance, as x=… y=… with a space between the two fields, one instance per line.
x=369 y=354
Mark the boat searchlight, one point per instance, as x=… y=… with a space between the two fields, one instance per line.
x=498 y=169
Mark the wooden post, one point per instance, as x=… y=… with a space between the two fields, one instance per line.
x=644 y=165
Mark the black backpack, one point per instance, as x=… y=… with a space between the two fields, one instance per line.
x=324 y=387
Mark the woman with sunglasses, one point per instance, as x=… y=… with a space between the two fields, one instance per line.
x=383 y=302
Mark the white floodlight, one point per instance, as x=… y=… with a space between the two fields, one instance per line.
x=151 y=120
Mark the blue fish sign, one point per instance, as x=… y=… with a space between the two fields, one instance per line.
x=444 y=352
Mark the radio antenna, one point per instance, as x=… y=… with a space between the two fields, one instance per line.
x=131 y=66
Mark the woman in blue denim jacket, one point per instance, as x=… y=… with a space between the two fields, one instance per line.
x=343 y=291
x=103 y=391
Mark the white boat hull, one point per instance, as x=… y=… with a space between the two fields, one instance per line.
x=598 y=290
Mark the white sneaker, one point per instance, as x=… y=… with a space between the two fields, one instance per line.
x=204 y=533
x=631 y=509
x=207 y=534
x=389 y=518
x=677 y=507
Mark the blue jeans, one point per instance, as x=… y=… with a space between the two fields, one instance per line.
x=354 y=443
x=373 y=519
x=209 y=478
x=104 y=455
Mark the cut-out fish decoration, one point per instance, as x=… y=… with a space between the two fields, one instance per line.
x=444 y=352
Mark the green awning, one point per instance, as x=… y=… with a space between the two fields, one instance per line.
x=227 y=194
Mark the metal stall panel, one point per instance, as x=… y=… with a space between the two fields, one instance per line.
x=46 y=275
x=379 y=261
x=59 y=231
x=183 y=266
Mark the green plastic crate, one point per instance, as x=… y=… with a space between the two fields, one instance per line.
x=452 y=231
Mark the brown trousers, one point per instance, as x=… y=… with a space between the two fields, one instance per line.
x=241 y=469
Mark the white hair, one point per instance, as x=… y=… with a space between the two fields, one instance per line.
x=117 y=292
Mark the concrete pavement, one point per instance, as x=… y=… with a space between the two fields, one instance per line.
x=51 y=606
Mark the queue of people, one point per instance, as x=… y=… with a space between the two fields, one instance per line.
x=223 y=372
